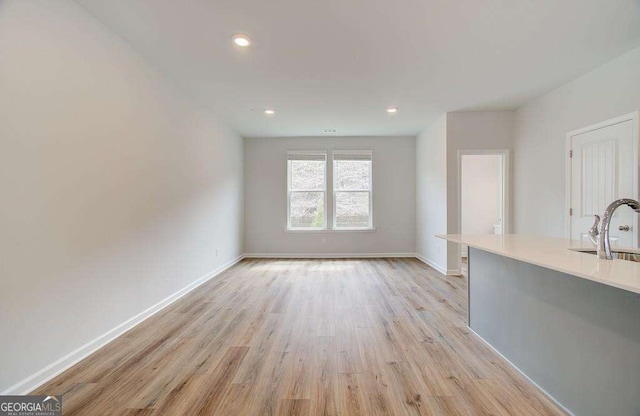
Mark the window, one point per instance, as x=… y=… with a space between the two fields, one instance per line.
x=352 y=199
x=307 y=188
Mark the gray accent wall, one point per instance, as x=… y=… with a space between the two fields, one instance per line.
x=394 y=198
x=578 y=340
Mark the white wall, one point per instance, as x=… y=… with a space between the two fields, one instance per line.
x=481 y=193
x=431 y=194
x=471 y=130
x=540 y=136
x=393 y=197
x=116 y=188
x=438 y=182
x=474 y=130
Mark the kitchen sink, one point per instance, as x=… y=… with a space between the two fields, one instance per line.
x=620 y=253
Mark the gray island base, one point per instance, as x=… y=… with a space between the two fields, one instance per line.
x=577 y=339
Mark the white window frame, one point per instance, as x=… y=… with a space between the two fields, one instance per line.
x=291 y=155
x=368 y=153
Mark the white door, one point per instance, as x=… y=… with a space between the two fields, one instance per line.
x=602 y=170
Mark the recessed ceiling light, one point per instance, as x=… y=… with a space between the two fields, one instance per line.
x=392 y=110
x=269 y=112
x=241 y=39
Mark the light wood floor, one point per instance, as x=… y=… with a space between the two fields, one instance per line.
x=305 y=337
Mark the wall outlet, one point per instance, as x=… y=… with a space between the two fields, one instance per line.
x=217 y=252
x=324 y=240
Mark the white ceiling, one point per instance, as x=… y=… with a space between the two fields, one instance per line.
x=338 y=64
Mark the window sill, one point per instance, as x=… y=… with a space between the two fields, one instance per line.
x=329 y=231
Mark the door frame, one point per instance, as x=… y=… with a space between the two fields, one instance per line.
x=633 y=117
x=506 y=195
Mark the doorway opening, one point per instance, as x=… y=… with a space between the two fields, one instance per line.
x=483 y=195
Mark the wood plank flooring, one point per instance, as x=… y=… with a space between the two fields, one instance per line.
x=305 y=337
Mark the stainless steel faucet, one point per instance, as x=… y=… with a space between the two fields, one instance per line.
x=601 y=238
x=593 y=232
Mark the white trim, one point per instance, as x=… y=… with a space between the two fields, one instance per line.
x=567 y=186
x=42 y=376
x=506 y=196
x=306 y=153
x=328 y=231
x=352 y=152
x=47 y=373
x=633 y=117
x=441 y=269
x=325 y=255
x=550 y=397
x=448 y=272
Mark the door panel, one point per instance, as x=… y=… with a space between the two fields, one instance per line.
x=601 y=172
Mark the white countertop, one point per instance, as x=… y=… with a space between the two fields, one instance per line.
x=554 y=253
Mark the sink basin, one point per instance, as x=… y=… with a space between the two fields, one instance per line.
x=629 y=254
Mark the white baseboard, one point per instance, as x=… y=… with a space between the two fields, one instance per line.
x=550 y=397
x=324 y=255
x=441 y=269
x=47 y=373
x=39 y=378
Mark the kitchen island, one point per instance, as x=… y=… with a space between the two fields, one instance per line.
x=566 y=319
